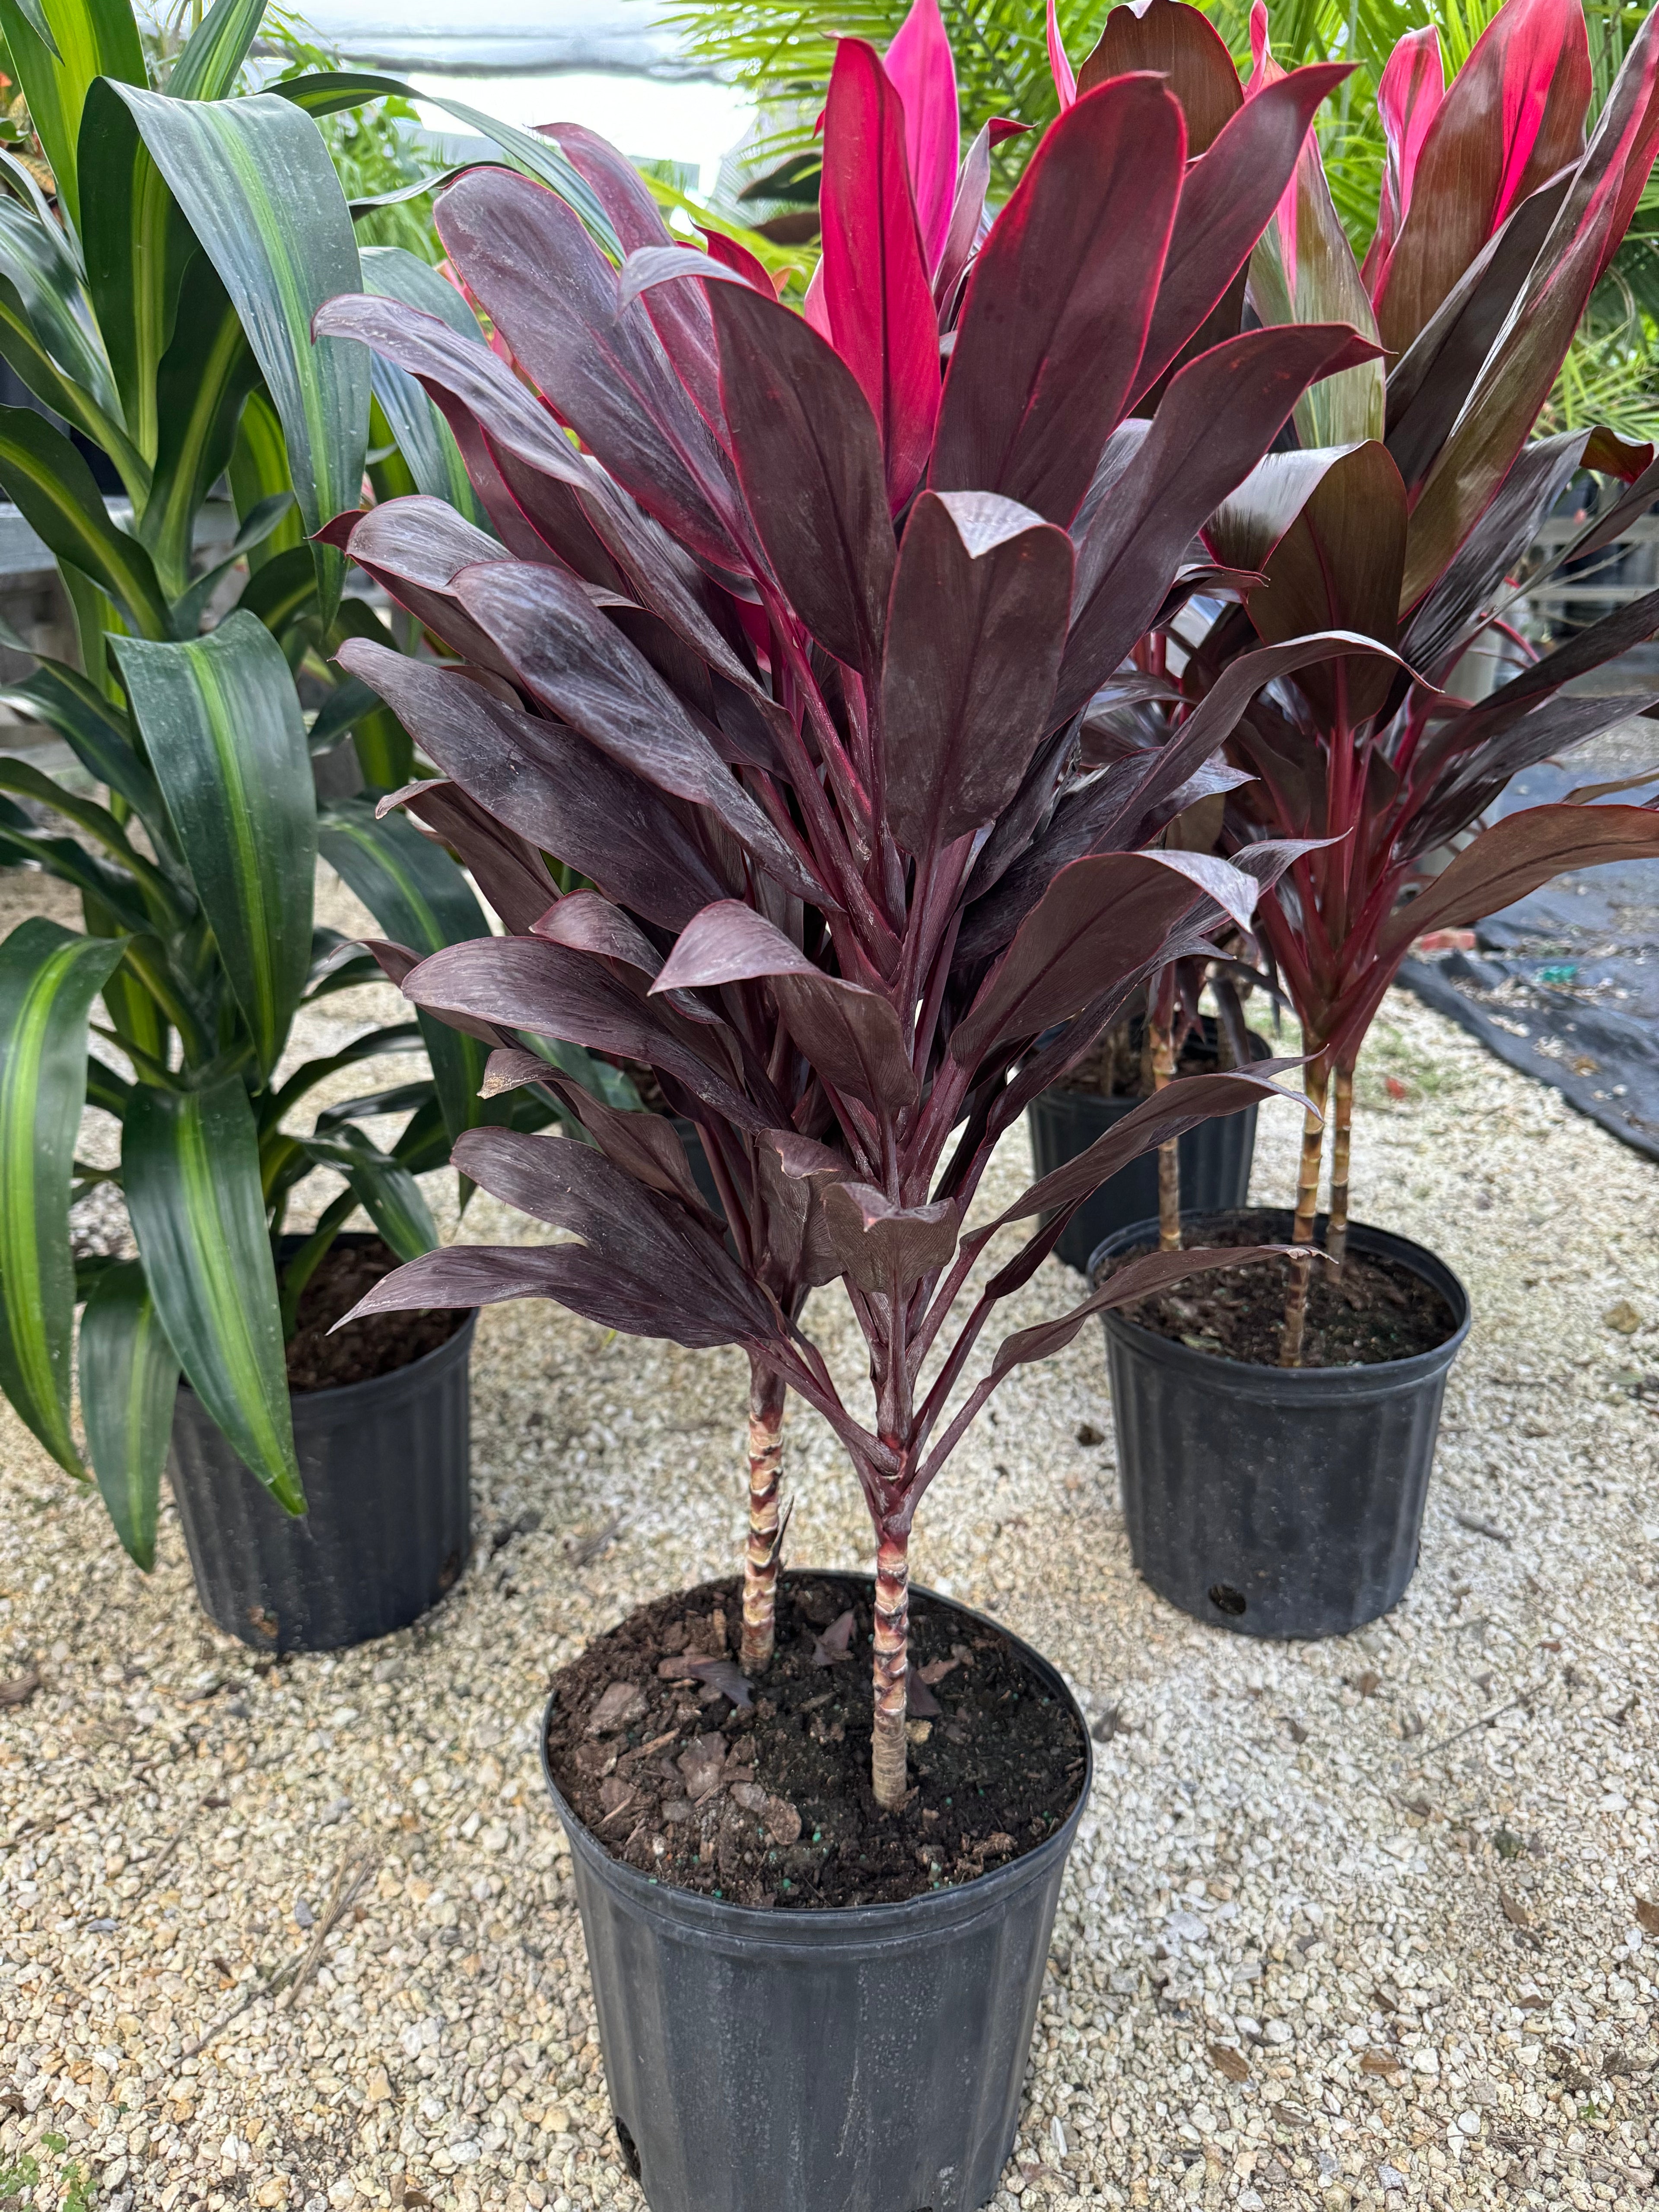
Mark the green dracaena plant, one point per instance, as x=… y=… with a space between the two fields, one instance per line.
x=160 y=302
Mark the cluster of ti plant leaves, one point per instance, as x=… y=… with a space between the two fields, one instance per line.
x=790 y=655
x=161 y=305
x=1412 y=495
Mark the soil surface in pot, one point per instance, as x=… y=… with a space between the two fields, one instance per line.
x=769 y=1802
x=377 y=1345
x=1374 y=1310
x=1116 y=1065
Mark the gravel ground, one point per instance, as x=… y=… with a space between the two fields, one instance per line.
x=1350 y=1923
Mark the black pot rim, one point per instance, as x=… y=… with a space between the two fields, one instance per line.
x=1303 y=1383
x=790 y=1928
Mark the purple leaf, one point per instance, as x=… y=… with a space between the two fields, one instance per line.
x=851 y=1035
x=582 y=666
x=886 y=1248
x=808 y=456
x=978 y=625
x=553 y=296
x=521 y=982
x=1058 y=301
x=1218 y=417
x=506 y=868
x=550 y=787
x=1179 y=43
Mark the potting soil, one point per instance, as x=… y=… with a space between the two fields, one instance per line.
x=1374 y=1309
x=377 y=1345
x=760 y=1792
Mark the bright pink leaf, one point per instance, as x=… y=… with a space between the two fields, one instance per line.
x=881 y=317
x=1408 y=97
x=1064 y=76
x=730 y=255
x=923 y=72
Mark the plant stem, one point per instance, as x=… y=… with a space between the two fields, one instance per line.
x=887 y=1749
x=1307 y=1206
x=1336 y=1236
x=1161 y=1022
x=760 y=1565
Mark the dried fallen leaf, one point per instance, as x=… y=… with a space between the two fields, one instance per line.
x=1233 y=2063
x=936 y=1670
x=834 y=1643
x=1298 y=1733
x=615 y=1793
x=1533 y=2001
x=1369 y=1683
x=1380 y=2061
x=615 y=1708
x=1514 y=1911
x=782 y=1820
x=21 y=1688
x=1647 y=1915
x=919 y=1700
x=722 y=1675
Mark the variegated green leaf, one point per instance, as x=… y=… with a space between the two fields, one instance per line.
x=387 y=1192
x=221 y=725
x=129 y=1384
x=256 y=185
x=48 y=981
x=51 y=485
x=204 y=380
x=328 y=92
x=190 y=1163
x=424 y=437
x=421 y=899
x=212 y=56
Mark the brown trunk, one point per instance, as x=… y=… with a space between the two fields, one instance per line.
x=1336 y=1237
x=1317 y=1078
x=887 y=1754
x=760 y=1563
x=1168 y=1155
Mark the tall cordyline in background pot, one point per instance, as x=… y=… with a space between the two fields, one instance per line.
x=1411 y=498
x=785 y=658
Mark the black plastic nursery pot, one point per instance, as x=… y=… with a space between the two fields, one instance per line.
x=387 y=1469
x=1276 y=1501
x=1215 y=1161
x=868 y=2059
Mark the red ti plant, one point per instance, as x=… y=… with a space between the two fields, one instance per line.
x=783 y=648
x=1412 y=495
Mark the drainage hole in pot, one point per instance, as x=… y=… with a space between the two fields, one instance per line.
x=630 y=2156
x=1226 y=1599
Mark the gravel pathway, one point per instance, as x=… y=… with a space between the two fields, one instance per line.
x=1350 y=1923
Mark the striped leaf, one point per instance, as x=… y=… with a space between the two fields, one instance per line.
x=421 y=899
x=48 y=981
x=258 y=467
x=46 y=478
x=255 y=181
x=422 y=435
x=222 y=724
x=89 y=39
x=204 y=379
x=137 y=248
x=129 y=1383
x=190 y=1161
x=212 y=56
x=23 y=352
x=387 y=1191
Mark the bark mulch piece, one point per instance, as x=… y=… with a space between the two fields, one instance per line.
x=759 y=1792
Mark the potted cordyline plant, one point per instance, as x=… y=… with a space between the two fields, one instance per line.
x=786 y=658
x=1281 y=1488
x=158 y=299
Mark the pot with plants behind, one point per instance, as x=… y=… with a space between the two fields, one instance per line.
x=1276 y=1432
x=828 y=908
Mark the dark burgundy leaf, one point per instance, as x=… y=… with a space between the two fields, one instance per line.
x=525 y=983
x=582 y=666
x=981 y=599
x=1178 y=43
x=835 y=1643
x=506 y=868
x=548 y=785
x=1218 y=417
x=886 y=1248
x=1058 y=301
